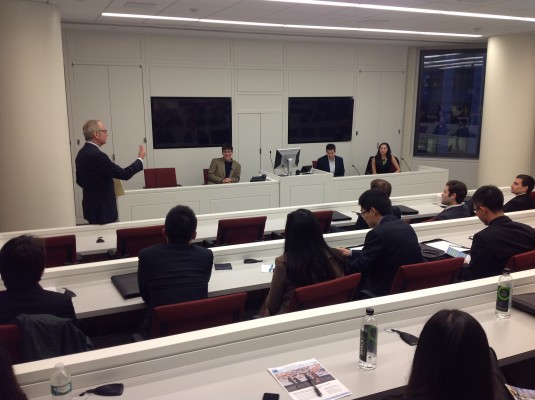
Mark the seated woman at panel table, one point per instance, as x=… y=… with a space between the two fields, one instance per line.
x=384 y=162
x=453 y=360
x=306 y=260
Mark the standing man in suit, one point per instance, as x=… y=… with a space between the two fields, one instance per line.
x=452 y=197
x=500 y=240
x=390 y=244
x=521 y=188
x=175 y=271
x=95 y=172
x=22 y=263
x=224 y=169
x=331 y=162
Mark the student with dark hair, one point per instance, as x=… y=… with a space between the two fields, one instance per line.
x=307 y=259
x=452 y=197
x=384 y=162
x=500 y=240
x=330 y=162
x=453 y=361
x=224 y=169
x=22 y=263
x=175 y=271
x=521 y=188
x=9 y=387
x=390 y=244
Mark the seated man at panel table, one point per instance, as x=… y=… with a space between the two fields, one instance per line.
x=390 y=244
x=175 y=271
x=224 y=169
x=452 y=197
x=22 y=263
x=521 y=188
x=330 y=162
x=500 y=240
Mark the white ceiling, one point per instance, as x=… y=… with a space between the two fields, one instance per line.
x=89 y=12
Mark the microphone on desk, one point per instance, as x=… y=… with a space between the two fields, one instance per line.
x=410 y=170
x=272 y=165
x=353 y=165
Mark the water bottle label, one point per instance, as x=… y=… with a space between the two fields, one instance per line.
x=502 y=298
x=61 y=390
x=368 y=341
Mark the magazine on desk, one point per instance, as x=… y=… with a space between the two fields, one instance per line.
x=309 y=379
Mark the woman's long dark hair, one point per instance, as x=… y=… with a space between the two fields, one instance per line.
x=452 y=360
x=307 y=256
x=9 y=387
x=378 y=161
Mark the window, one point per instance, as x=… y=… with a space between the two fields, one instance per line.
x=450 y=103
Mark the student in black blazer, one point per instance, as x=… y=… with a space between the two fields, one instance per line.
x=452 y=197
x=22 y=262
x=500 y=240
x=324 y=163
x=95 y=172
x=390 y=244
x=521 y=188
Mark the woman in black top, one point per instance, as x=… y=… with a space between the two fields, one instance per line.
x=384 y=162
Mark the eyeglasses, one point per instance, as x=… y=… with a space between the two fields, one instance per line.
x=476 y=209
x=361 y=213
x=102 y=130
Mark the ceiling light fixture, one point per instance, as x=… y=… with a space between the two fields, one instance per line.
x=335 y=28
x=407 y=9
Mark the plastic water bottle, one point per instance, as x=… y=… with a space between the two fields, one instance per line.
x=504 y=295
x=60 y=382
x=368 y=341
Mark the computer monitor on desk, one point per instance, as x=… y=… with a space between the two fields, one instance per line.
x=287 y=158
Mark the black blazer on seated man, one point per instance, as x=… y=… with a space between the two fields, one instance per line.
x=452 y=212
x=171 y=273
x=94 y=174
x=34 y=300
x=323 y=165
x=520 y=202
x=493 y=246
x=388 y=246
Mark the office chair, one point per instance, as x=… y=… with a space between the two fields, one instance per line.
x=205 y=175
x=522 y=261
x=334 y=291
x=325 y=219
x=60 y=250
x=239 y=230
x=198 y=314
x=426 y=275
x=159 y=177
x=131 y=240
x=314 y=164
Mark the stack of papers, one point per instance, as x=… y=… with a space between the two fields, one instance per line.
x=309 y=379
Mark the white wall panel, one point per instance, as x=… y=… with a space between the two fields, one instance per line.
x=187 y=49
x=98 y=46
x=260 y=80
x=326 y=82
x=258 y=52
x=310 y=53
x=184 y=81
x=258 y=103
x=380 y=58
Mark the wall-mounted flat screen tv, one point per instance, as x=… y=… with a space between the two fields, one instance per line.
x=182 y=122
x=320 y=119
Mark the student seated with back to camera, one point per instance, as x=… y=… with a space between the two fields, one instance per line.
x=22 y=263
x=390 y=244
x=307 y=259
x=452 y=197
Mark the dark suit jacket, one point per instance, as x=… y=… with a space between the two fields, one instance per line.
x=171 y=273
x=34 y=300
x=460 y=211
x=216 y=172
x=94 y=174
x=519 y=203
x=323 y=164
x=494 y=245
x=388 y=246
